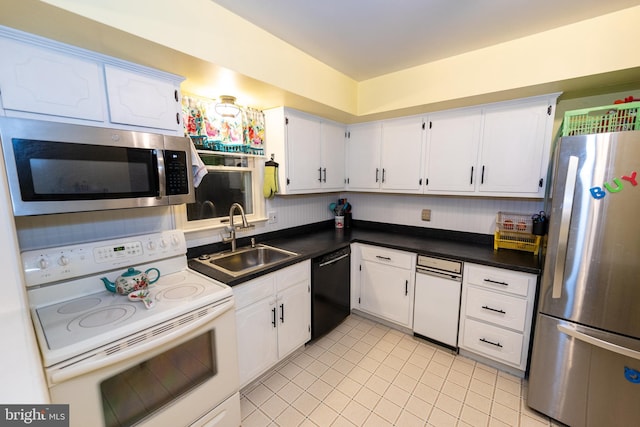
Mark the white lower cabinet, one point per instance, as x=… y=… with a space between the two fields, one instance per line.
x=386 y=284
x=496 y=313
x=273 y=317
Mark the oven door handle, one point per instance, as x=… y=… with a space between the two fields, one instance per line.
x=177 y=335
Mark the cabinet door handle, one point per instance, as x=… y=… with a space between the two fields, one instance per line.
x=482 y=176
x=377 y=171
x=497 y=344
x=471 y=180
x=175 y=95
x=406 y=287
x=178 y=118
x=324 y=171
x=383 y=172
x=496 y=282
x=386 y=258
x=319 y=174
x=273 y=322
x=494 y=309
x=282 y=313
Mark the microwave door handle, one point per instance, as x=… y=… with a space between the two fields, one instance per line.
x=606 y=345
x=565 y=222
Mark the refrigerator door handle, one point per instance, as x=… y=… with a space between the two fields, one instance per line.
x=565 y=221
x=598 y=342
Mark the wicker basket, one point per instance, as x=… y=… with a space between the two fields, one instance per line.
x=514 y=232
x=609 y=118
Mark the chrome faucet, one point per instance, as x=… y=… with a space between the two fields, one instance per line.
x=232 y=227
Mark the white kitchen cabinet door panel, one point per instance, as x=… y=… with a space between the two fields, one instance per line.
x=402 y=141
x=139 y=100
x=363 y=151
x=43 y=81
x=452 y=152
x=257 y=344
x=303 y=153
x=502 y=310
x=387 y=292
x=512 y=148
x=294 y=318
x=333 y=156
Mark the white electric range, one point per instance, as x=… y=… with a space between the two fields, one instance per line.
x=94 y=341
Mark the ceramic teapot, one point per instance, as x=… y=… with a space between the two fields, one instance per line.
x=131 y=280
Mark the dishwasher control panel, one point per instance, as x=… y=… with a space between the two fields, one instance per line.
x=440 y=264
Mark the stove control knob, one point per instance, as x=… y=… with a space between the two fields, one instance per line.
x=43 y=263
x=63 y=260
x=163 y=243
x=151 y=246
x=174 y=240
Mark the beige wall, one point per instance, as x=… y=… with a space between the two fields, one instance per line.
x=220 y=53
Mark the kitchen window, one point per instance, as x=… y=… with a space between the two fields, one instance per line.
x=230 y=179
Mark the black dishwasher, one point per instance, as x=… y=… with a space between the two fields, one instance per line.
x=330 y=291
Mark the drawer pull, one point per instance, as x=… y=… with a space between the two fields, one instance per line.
x=497 y=344
x=494 y=309
x=386 y=258
x=496 y=282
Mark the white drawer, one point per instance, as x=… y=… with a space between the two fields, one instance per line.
x=255 y=290
x=294 y=274
x=497 y=343
x=499 y=279
x=500 y=309
x=386 y=256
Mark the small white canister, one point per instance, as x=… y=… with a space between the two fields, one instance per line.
x=339 y=221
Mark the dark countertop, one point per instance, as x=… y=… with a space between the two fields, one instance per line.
x=319 y=239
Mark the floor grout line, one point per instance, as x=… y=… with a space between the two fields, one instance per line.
x=366 y=374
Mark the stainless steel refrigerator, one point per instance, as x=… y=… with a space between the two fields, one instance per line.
x=585 y=363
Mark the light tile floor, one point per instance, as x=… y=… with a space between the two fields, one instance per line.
x=367 y=374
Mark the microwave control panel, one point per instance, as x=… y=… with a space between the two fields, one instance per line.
x=176 y=172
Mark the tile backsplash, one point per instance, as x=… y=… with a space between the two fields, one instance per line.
x=470 y=214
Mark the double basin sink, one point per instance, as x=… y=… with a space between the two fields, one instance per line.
x=246 y=260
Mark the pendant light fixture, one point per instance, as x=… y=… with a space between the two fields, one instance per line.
x=227 y=106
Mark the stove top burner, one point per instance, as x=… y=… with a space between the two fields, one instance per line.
x=102 y=317
x=79 y=306
x=187 y=291
x=78 y=325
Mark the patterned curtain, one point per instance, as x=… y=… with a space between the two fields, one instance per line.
x=243 y=133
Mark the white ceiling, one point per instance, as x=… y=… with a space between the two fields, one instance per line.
x=369 y=38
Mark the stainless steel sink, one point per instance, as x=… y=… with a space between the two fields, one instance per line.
x=246 y=260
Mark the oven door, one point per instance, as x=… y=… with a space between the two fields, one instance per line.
x=174 y=379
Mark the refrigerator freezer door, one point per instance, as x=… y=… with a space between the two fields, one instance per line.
x=591 y=267
x=584 y=384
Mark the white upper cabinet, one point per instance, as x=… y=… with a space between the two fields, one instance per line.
x=386 y=155
x=46 y=80
x=332 y=155
x=452 y=152
x=34 y=79
x=402 y=141
x=140 y=100
x=363 y=156
x=498 y=150
x=308 y=149
x=515 y=139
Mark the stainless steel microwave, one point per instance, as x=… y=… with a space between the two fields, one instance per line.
x=58 y=167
